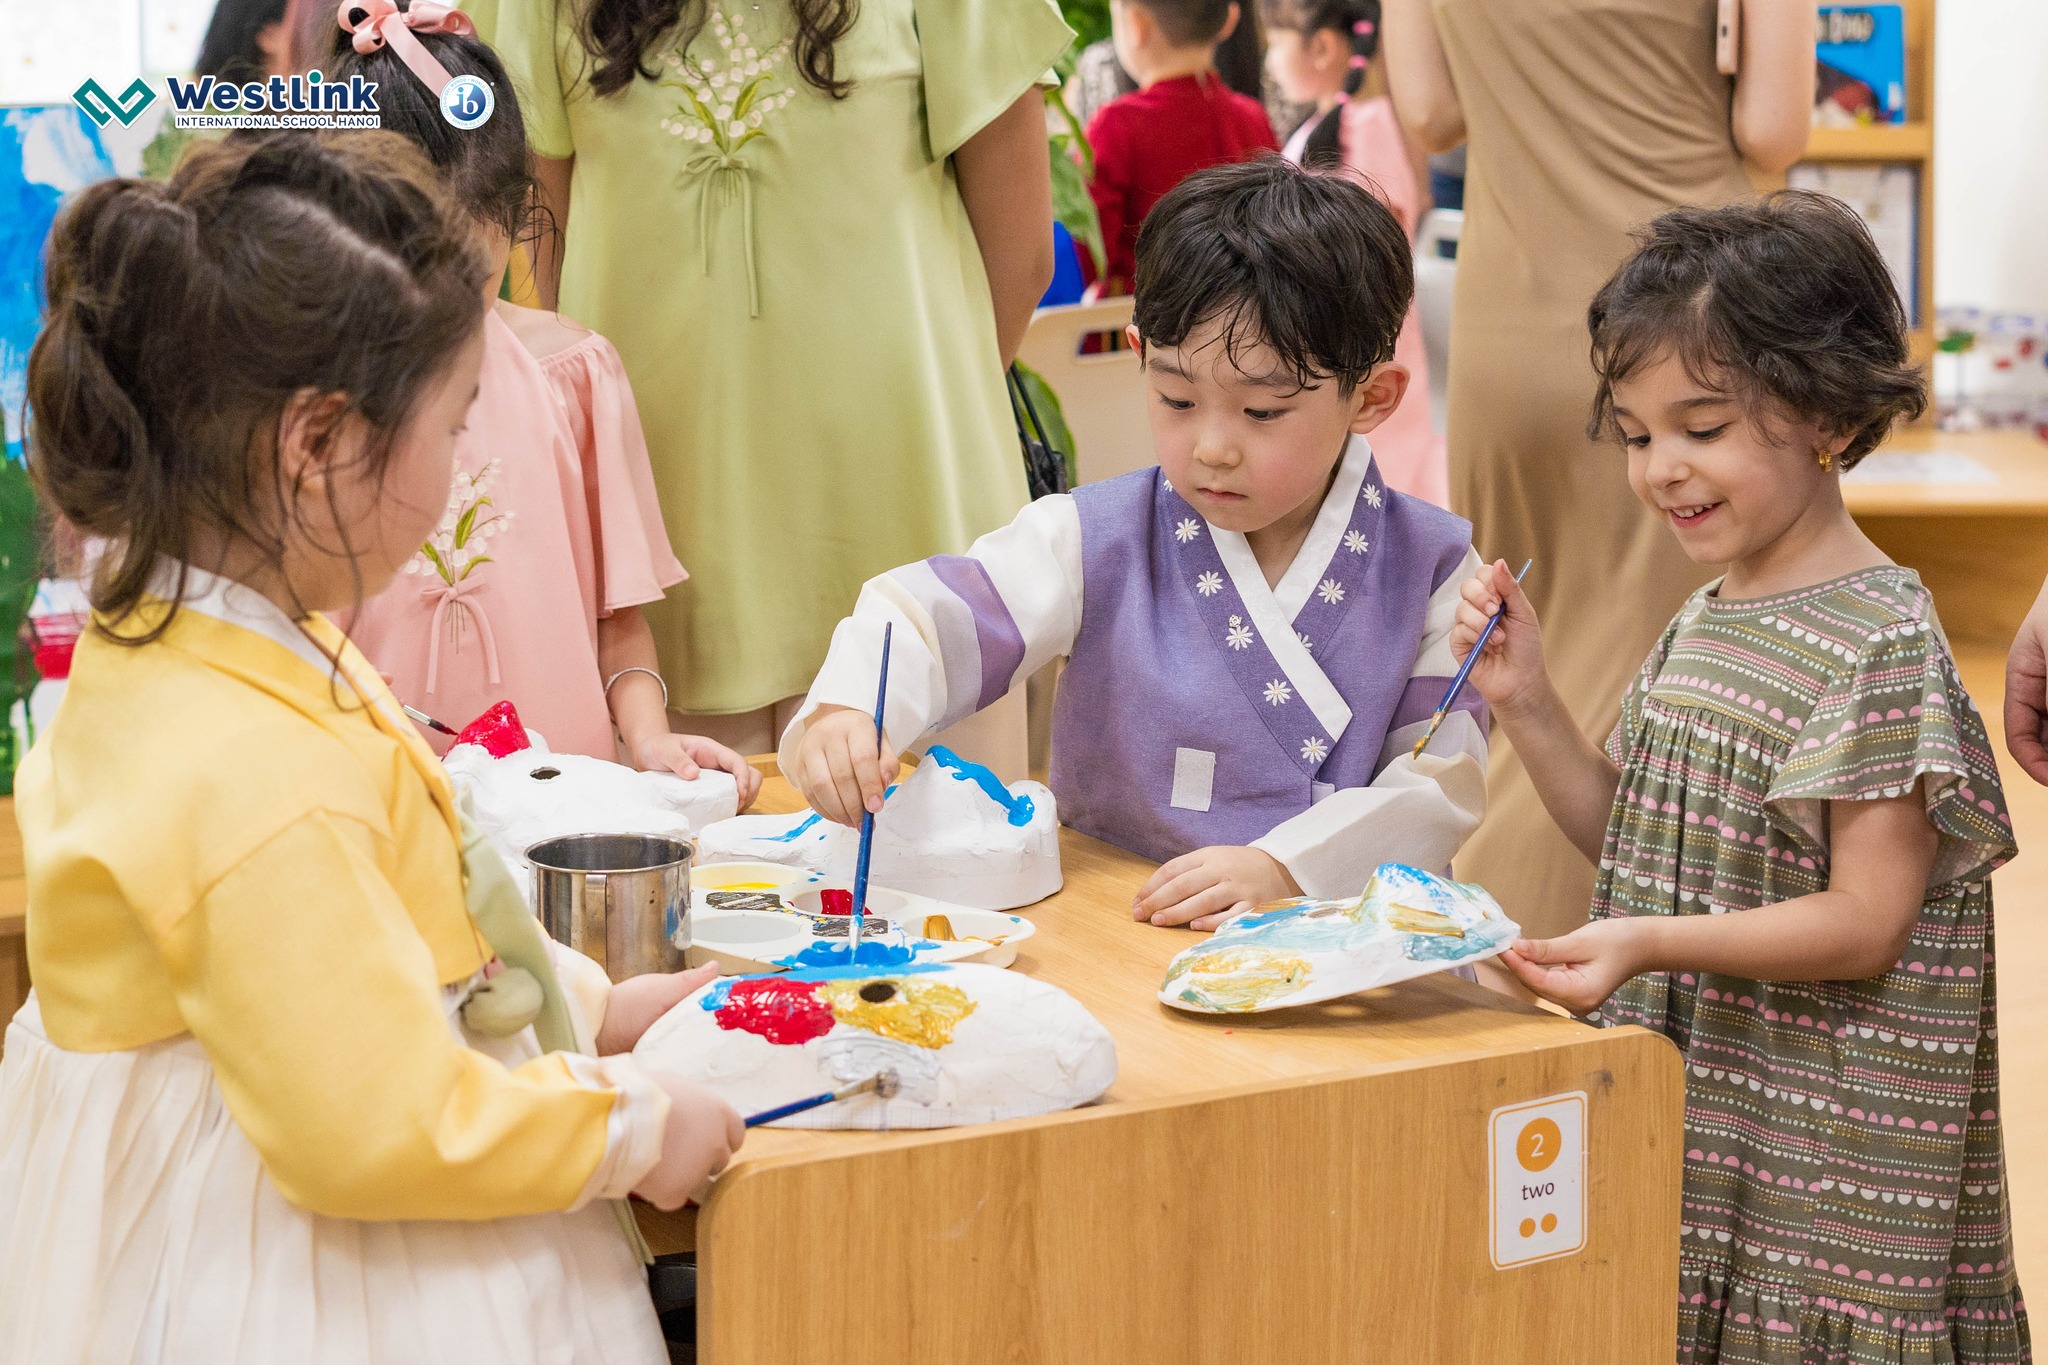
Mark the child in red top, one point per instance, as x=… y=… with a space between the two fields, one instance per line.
x=1181 y=119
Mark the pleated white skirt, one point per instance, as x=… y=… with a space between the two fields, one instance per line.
x=137 y=1225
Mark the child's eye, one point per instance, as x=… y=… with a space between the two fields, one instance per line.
x=1635 y=442
x=1709 y=434
x=1264 y=414
x=1177 y=404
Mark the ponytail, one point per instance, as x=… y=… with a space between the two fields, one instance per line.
x=184 y=317
x=1360 y=19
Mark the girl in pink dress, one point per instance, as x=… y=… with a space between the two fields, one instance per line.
x=530 y=588
x=1317 y=52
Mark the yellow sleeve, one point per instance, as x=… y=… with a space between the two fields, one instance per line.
x=524 y=35
x=978 y=57
x=316 y=1000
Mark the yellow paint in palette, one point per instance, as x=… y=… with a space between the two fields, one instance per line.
x=747 y=886
x=920 y=1013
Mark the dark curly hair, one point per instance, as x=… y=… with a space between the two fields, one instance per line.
x=185 y=316
x=1782 y=303
x=618 y=33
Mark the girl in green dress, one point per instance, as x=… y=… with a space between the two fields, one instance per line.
x=815 y=230
x=1795 y=821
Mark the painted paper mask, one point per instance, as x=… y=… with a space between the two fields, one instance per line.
x=968 y=1044
x=1296 y=952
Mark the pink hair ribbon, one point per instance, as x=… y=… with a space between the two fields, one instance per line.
x=373 y=23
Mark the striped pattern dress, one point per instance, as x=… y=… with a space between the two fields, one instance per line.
x=1844 y=1193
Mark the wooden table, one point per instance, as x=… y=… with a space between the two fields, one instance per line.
x=1981 y=548
x=1302 y=1186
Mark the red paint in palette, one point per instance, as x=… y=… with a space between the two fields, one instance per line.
x=782 y=1011
x=836 y=902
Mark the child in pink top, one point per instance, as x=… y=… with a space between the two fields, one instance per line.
x=529 y=589
x=1318 y=52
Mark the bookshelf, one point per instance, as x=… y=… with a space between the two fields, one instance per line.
x=1902 y=144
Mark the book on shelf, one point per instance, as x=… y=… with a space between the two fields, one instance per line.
x=1860 y=61
x=1886 y=197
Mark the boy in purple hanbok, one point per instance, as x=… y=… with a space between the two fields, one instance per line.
x=1256 y=629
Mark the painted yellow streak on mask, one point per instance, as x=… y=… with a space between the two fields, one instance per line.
x=921 y=1013
x=1410 y=920
x=1238 y=979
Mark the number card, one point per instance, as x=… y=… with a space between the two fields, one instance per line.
x=1536 y=1164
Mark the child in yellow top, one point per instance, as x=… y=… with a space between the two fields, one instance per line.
x=242 y=1117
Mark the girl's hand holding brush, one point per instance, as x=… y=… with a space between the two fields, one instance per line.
x=1510 y=672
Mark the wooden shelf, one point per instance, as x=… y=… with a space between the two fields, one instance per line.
x=1874 y=142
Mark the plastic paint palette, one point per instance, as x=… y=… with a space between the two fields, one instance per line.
x=750 y=877
x=742 y=939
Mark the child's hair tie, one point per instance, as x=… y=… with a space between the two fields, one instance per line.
x=1358 y=63
x=373 y=23
x=1364 y=28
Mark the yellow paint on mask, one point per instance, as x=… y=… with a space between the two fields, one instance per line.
x=1234 y=980
x=921 y=1013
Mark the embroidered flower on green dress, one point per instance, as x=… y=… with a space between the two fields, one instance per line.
x=725 y=100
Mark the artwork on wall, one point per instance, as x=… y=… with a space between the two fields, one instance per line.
x=46 y=152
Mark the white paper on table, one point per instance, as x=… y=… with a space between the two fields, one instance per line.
x=1920 y=466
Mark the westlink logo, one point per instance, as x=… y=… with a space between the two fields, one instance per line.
x=308 y=101
x=103 y=108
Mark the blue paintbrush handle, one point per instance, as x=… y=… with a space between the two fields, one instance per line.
x=783 y=1111
x=867 y=820
x=1465 y=669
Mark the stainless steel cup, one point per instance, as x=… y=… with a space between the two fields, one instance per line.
x=622 y=900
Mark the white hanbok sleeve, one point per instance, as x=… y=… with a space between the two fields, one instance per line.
x=1417 y=811
x=968 y=628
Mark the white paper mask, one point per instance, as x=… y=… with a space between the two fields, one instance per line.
x=532 y=794
x=951 y=831
x=968 y=1044
x=1295 y=952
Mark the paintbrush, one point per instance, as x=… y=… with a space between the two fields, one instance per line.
x=884 y=1083
x=1443 y=708
x=867 y=818
x=428 y=721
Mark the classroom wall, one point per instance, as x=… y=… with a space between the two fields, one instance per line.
x=1990 y=144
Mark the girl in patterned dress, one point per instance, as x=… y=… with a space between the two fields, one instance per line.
x=1795 y=821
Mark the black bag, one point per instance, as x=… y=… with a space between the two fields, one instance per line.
x=1045 y=469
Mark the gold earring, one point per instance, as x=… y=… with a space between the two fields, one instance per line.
x=1826 y=458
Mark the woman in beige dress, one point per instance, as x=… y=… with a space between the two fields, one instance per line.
x=1585 y=119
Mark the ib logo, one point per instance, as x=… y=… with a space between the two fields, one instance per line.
x=467 y=102
x=103 y=108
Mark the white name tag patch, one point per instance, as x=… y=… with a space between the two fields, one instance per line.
x=1194 y=778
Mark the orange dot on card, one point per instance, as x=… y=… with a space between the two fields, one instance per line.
x=1528 y=1227
x=1537 y=1146
x=1550 y=1222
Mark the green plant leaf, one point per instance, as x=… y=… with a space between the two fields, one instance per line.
x=1088 y=18
x=470 y=567
x=465 y=524
x=1047 y=405
x=1072 y=204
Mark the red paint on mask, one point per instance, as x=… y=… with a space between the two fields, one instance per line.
x=497 y=731
x=782 y=1011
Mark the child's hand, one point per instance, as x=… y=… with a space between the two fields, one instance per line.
x=1512 y=666
x=840 y=768
x=1204 y=888
x=1580 y=970
x=702 y=1134
x=638 y=1001
x=687 y=755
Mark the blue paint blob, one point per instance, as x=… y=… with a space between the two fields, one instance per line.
x=828 y=954
x=714 y=999
x=793 y=834
x=1019 y=808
